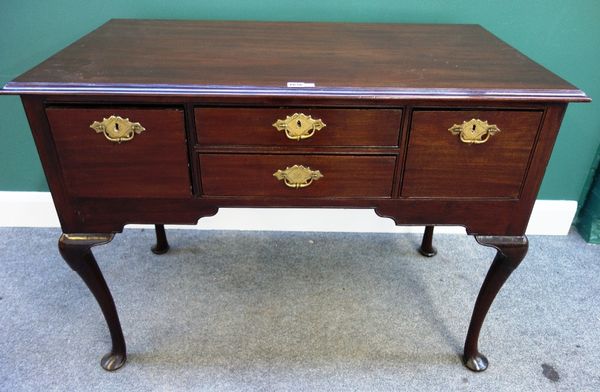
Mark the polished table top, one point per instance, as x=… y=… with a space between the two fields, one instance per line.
x=196 y=57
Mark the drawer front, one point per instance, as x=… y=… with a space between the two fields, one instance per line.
x=254 y=126
x=440 y=164
x=338 y=176
x=153 y=163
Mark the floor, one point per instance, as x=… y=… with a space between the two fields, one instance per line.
x=277 y=311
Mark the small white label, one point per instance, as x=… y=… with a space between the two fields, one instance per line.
x=300 y=84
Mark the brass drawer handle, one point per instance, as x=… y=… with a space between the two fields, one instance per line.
x=117 y=129
x=298 y=176
x=299 y=126
x=474 y=131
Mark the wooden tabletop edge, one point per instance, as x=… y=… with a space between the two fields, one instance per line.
x=31 y=88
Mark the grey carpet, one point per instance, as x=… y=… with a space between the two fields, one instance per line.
x=255 y=311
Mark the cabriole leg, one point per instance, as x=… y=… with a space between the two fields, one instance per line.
x=427 y=248
x=75 y=249
x=511 y=250
x=162 y=246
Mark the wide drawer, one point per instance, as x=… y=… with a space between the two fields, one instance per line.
x=259 y=126
x=440 y=164
x=153 y=163
x=255 y=175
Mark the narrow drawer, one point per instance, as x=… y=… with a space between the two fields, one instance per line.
x=440 y=164
x=337 y=127
x=153 y=163
x=338 y=176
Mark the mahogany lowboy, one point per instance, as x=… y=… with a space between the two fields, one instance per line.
x=167 y=121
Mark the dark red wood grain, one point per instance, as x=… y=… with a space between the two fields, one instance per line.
x=154 y=164
x=252 y=175
x=253 y=127
x=438 y=164
x=260 y=58
x=487 y=216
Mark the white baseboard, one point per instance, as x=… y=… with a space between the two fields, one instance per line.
x=35 y=209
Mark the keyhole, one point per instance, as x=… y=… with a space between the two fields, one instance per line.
x=474 y=126
x=299 y=124
x=117 y=127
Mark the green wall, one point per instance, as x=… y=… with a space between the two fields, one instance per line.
x=564 y=36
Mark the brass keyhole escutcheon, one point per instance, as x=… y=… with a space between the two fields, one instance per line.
x=117 y=129
x=474 y=131
x=299 y=126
